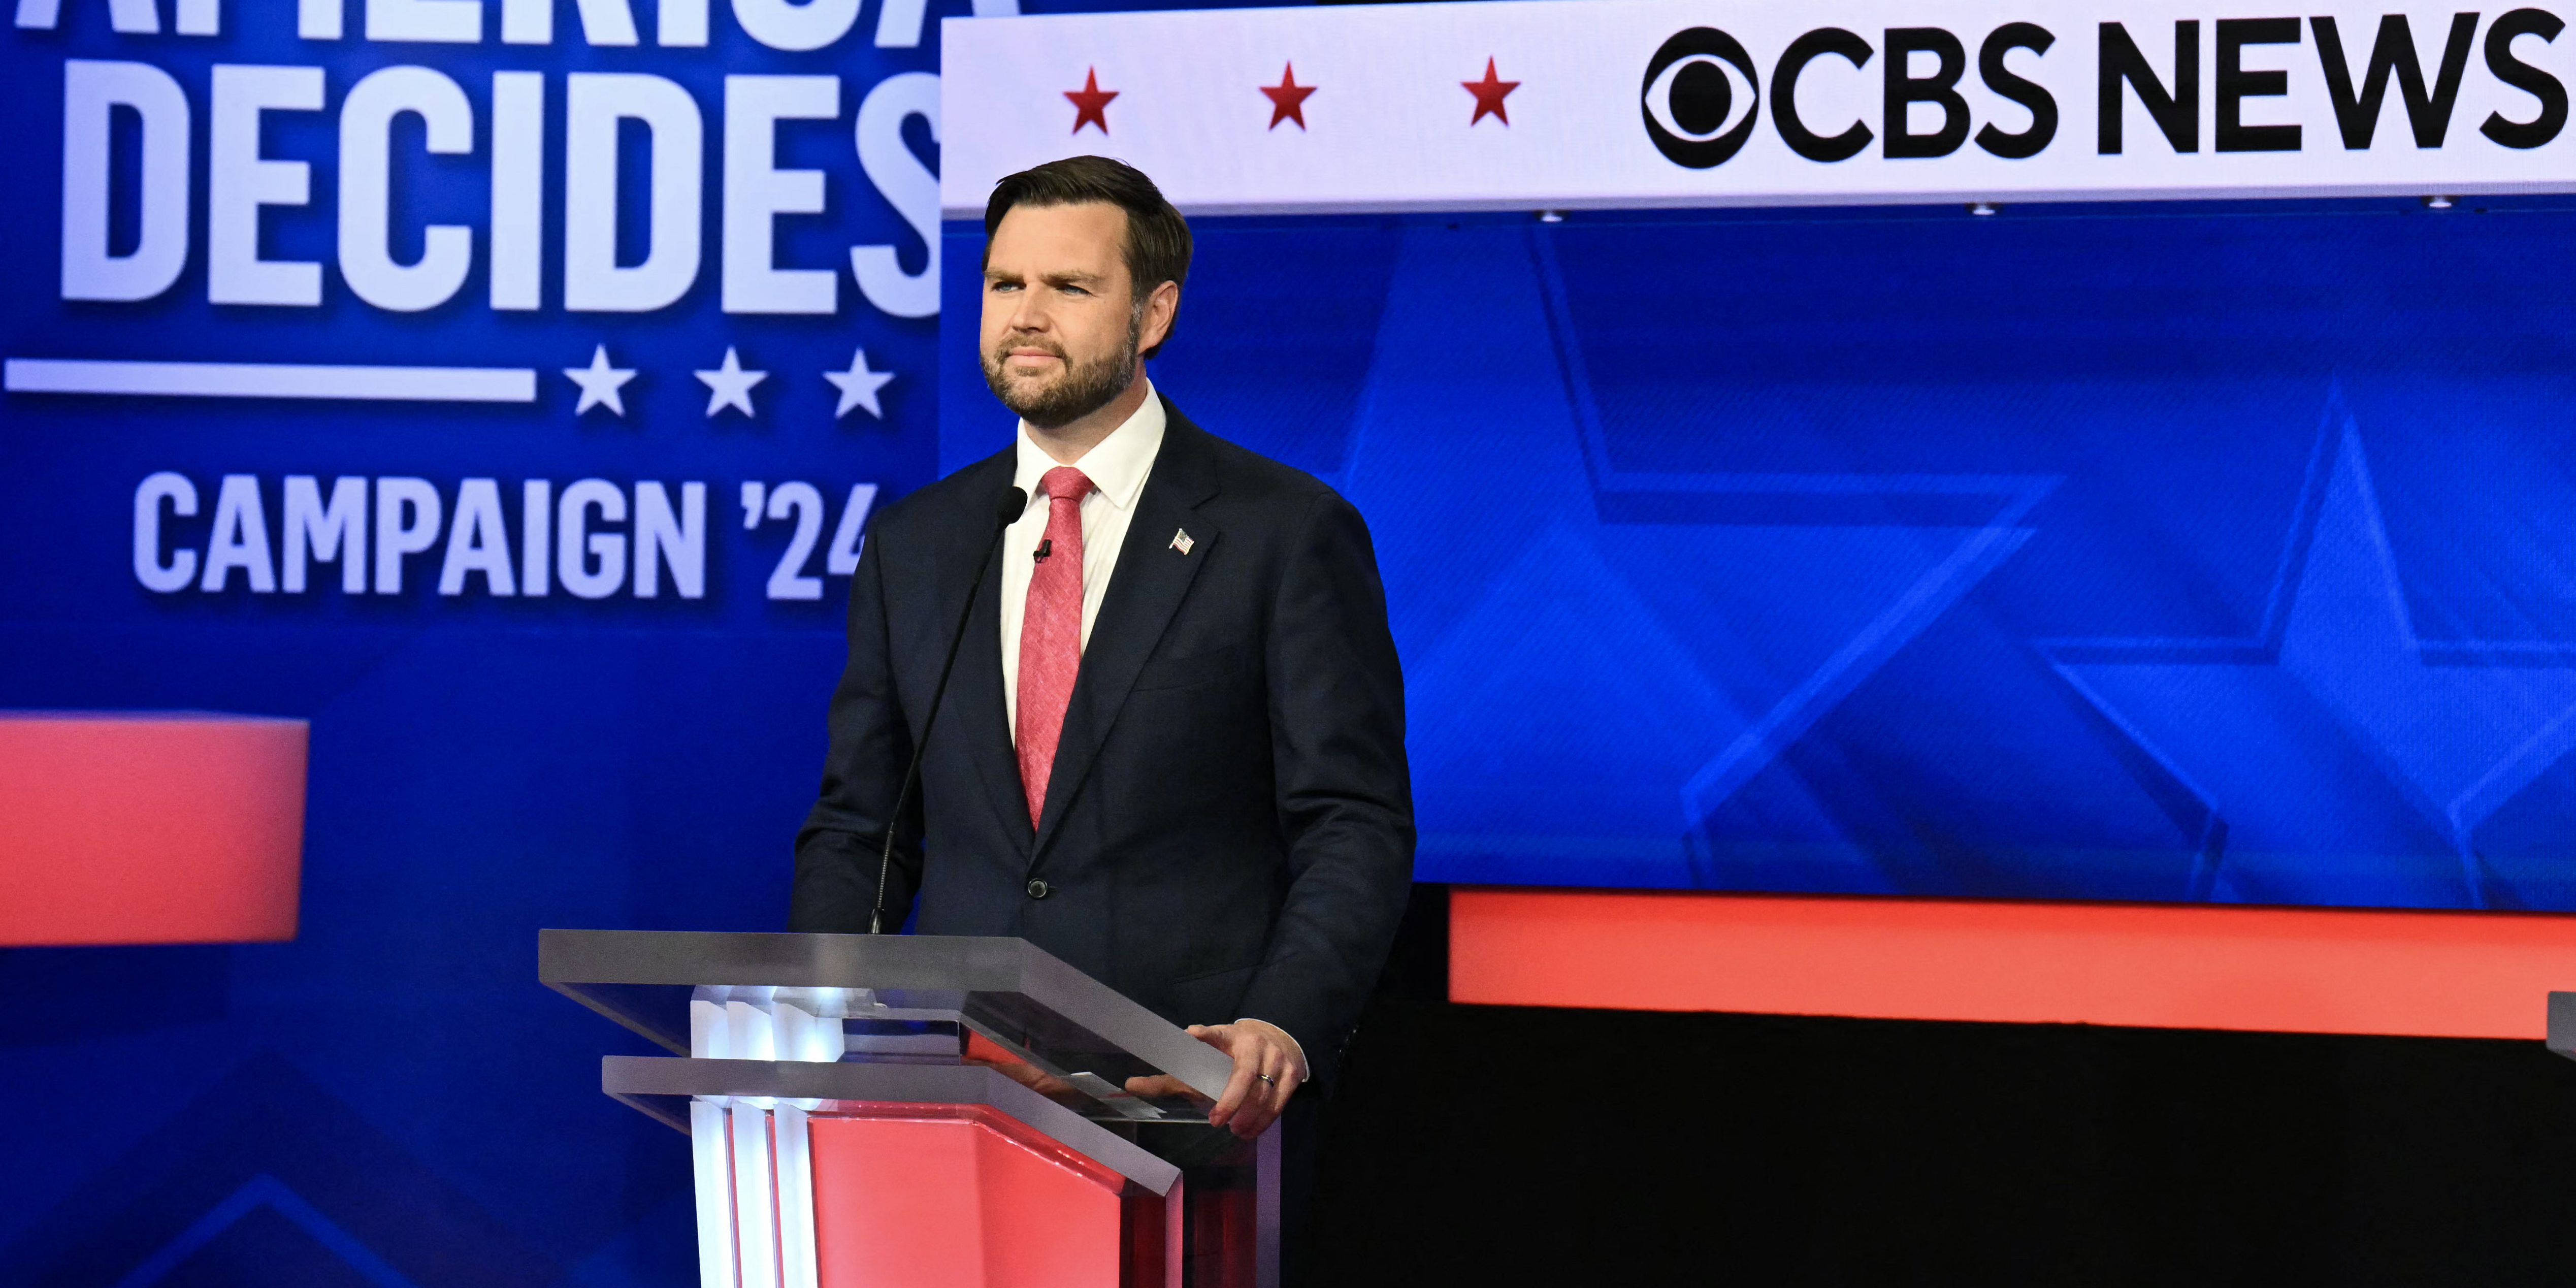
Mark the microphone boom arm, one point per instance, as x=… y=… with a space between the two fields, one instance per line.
x=1007 y=509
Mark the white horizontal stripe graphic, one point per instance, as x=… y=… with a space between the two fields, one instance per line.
x=270 y=380
x=1389 y=119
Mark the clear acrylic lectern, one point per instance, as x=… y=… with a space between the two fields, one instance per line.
x=870 y=1110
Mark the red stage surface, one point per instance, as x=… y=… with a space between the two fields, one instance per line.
x=149 y=829
x=2313 y=970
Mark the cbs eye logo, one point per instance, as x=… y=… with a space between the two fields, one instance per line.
x=1700 y=98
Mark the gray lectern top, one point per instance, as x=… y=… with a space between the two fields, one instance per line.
x=897 y=999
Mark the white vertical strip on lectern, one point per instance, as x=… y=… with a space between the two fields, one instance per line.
x=755 y=1215
x=714 y=1185
x=797 y=1267
x=747 y=1015
x=807 y=1029
x=708 y=1039
x=805 y=1025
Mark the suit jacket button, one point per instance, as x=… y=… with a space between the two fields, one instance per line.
x=1038 y=889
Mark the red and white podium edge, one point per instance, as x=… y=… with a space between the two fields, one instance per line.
x=923 y=1110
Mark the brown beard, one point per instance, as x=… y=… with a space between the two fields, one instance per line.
x=1085 y=387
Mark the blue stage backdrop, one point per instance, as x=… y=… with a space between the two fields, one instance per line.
x=2149 y=552
x=564 y=640
x=2153 y=552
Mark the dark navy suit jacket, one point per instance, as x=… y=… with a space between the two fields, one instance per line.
x=1228 y=830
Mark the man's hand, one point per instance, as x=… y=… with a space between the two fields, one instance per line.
x=1267 y=1070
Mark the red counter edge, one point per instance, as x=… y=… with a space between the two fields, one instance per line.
x=2310 y=970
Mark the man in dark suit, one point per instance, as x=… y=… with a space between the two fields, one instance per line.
x=1172 y=749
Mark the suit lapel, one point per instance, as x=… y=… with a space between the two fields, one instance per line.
x=974 y=704
x=1145 y=591
x=976 y=690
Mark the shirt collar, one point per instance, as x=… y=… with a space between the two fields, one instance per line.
x=1116 y=465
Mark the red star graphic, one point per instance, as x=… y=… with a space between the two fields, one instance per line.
x=1489 y=94
x=1288 y=99
x=1091 y=103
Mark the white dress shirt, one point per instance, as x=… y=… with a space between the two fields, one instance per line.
x=1117 y=466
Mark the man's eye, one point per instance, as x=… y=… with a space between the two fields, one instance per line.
x=1075 y=290
x=1006 y=286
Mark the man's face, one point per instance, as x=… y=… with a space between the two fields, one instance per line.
x=1061 y=322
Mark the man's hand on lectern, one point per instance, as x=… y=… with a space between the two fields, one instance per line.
x=1267 y=1070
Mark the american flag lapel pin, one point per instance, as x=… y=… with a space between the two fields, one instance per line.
x=1181 y=540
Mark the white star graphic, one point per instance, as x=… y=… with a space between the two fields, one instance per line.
x=730 y=385
x=859 y=386
x=600 y=382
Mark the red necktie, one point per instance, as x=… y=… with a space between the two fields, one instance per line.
x=1051 y=633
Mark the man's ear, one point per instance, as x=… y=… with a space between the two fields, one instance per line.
x=1161 y=308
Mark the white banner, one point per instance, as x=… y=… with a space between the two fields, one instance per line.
x=1537 y=104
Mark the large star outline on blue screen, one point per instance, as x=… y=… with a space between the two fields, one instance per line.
x=2328 y=758
x=2002 y=501
x=1597 y=662
x=1792 y=680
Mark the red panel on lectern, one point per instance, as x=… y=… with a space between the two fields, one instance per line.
x=959 y=1197
x=149 y=829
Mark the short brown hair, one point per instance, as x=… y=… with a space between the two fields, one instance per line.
x=1158 y=239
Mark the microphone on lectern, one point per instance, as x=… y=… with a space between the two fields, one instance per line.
x=1008 y=506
